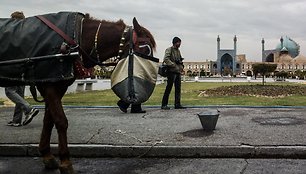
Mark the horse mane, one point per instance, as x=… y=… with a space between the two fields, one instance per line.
x=121 y=23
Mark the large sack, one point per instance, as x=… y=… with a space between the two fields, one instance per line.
x=133 y=79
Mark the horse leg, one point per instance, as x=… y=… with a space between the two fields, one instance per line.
x=53 y=96
x=44 y=145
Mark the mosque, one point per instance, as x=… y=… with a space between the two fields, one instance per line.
x=286 y=55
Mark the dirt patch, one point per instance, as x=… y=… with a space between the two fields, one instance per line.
x=274 y=91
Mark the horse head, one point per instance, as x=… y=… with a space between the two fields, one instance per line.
x=102 y=40
x=143 y=40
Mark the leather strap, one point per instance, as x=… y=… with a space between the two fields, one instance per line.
x=71 y=41
x=56 y=29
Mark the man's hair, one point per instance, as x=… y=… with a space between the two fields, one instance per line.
x=175 y=40
x=17 y=15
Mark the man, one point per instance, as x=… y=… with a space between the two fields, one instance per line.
x=174 y=61
x=16 y=94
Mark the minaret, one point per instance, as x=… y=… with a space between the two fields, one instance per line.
x=262 y=50
x=282 y=42
x=218 y=55
x=218 y=43
x=235 y=44
x=235 y=54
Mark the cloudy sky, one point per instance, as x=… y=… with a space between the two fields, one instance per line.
x=196 y=22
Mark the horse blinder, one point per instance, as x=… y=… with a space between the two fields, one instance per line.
x=142 y=44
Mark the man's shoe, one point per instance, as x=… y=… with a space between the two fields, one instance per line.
x=136 y=108
x=179 y=107
x=122 y=106
x=140 y=111
x=165 y=108
x=29 y=117
x=11 y=123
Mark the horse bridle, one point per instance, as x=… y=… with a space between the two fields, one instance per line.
x=134 y=43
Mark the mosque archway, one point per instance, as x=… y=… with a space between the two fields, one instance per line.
x=270 y=58
x=249 y=73
x=226 y=63
x=189 y=73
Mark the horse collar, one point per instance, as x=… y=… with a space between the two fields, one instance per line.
x=95 y=48
x=122 y=41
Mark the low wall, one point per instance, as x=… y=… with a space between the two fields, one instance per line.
x=99 y=85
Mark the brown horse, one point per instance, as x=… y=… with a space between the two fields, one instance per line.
x=99 y=41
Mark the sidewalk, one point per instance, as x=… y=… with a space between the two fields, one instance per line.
x=242 y=132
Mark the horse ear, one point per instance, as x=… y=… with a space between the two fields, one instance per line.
x=136 y=25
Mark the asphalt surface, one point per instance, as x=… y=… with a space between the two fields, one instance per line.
x=33 y=165
x=241 y=132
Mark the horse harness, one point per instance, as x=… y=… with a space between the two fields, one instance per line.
x=94 y=55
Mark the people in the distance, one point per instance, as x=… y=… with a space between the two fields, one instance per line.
x=135 y=108
x=16 y=95
x=174 y=61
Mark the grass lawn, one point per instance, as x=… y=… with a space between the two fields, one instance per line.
x=190 y=96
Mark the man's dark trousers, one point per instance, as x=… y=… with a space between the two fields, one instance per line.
x=173 y=78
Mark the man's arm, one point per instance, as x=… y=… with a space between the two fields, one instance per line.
x=168 y=59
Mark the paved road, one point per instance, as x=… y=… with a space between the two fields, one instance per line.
x=100 y=131
x=173 y=139
x=22 y=165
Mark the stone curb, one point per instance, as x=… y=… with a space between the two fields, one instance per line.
x=85 y=150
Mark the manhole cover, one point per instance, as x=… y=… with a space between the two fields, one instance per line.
x=279 y=121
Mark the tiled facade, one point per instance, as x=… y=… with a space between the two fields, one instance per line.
x=244 y=67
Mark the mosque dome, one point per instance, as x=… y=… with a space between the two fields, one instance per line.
x=299 y=59
x=289 y=44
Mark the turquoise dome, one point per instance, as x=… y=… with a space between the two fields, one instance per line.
x=292 y=47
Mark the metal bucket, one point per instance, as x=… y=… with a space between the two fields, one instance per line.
x=209 y=119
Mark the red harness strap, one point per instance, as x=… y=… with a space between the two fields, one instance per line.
x=81 y=71
x=56 y=29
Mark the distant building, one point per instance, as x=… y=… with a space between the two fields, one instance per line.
x=285 y=55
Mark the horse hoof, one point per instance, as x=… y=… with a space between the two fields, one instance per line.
x=50 y=163
x=66 y=168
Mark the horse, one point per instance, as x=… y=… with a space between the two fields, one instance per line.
x=99 y=40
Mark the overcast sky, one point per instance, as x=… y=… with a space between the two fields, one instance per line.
x=196 y=22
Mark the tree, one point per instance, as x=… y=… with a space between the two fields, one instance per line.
x=263 y=69
x=281 y=75
x=202 y=73
x=299 y=74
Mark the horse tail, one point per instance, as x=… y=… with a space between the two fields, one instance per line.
x=34 y=93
